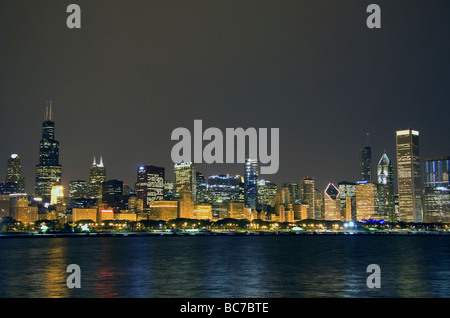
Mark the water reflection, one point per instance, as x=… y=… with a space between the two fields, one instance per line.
x=311 y=266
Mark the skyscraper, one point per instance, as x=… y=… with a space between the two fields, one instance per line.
x=150 y=185
x=97 y=175
x=332 y=206
x=14 y=182
x=294 y=192
x=366 y=164
x=266 y=194
x=437 y=190
x=308 y=196
x=385 y=177
x=112 y=194
x=347 y=200
x=366 y=201
x=225 y=188
x=48 y=171
x=408 y=173
x=185 y=176
x=251 y=183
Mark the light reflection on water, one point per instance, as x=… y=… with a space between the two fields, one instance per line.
x=268 y=266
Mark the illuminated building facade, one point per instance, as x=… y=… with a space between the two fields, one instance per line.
x=308 y=196
x=366 y=201
x=408 y=173
x=267 y=192
x=437 y=190
x=201 y=188
x=185 y=204
x=224 y=188
x=332 y=203
x=347 y=200
x=203 y=212
x=150 y=184
x=57 y=195
x=48 y=171
x=14 y=182
x=163 y=210
x=185 y=175
x=385 y=177
x=78 y=189
x=294 y=192
x=97 y=175
x=20 y=210
x=251 y=183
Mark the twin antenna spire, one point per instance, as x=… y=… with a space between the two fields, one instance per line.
x=48 y=110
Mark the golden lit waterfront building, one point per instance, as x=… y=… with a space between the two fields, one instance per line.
x=366 y=201
x=163 y=210
x=203 y=212
x=79 y=214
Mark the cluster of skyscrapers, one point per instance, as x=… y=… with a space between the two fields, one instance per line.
x=194 y=196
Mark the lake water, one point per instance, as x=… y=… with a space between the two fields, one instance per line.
x=226 y=266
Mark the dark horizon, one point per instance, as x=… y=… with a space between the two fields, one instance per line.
x=134 y=72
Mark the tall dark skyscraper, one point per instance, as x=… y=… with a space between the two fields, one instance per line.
x=294 y=192
x=308 y=196
x=14 y=182
x=251 y=183
x=150 y=185
x=386 y=201
x=48 y=171
x=366 y=164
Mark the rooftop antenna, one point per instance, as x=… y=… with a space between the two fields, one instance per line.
x=367 y=138
x=50 y=111
x=46 y=112
x=94 y=162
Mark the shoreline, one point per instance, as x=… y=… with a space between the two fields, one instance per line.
x=214 y=233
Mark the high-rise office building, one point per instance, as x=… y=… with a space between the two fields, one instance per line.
x=150 y=184
x=332 y=205
x=366 y=201
x=266 y=194
x=251 y=183
x=168 y=190
x=48 y=171
x=78 y=189
x=112 y=194
x=201 y=188
x=13 y=175
x=308 y=196
x=294 y=193
x=185 y=175
x=366 y=164
x=408 y=173
x=385 y=177
x=347 y=202
x=97 y=175
x=225 y=188
x=437 y=190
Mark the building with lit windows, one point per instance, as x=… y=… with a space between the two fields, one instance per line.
x=14 y=182
x=408 y=173
x=203 y=212
x=97 y=175
x=294 y=192
x=224 y=188
x=437 y=190
x=48 y=171
x=308 y=196
x=366 y=201
x=185 y=204
x=185 y=175
x=385 y=177
x=251 y=183
x=163 y=210
x=150 y=184
x=347 y=200
x=332 y=203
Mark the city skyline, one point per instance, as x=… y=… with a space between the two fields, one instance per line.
x=314 y=70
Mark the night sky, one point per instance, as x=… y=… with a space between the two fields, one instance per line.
x=136 y=70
